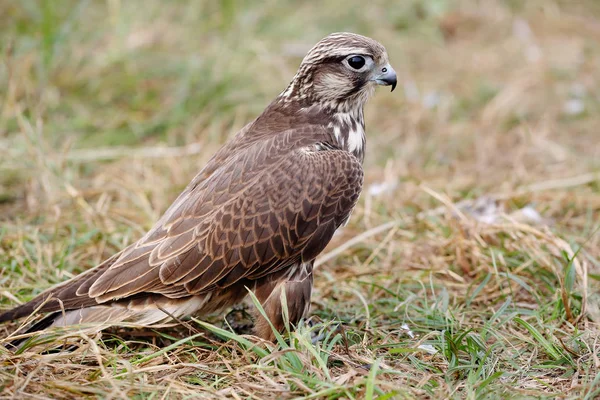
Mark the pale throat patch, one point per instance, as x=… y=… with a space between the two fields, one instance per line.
x=349 y=131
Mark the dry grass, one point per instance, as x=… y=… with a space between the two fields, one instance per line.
x=109 y=108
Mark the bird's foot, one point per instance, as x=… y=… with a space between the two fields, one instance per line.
x=240 y=320
x=320 y=330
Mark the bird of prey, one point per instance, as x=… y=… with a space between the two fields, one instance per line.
x=255 y=217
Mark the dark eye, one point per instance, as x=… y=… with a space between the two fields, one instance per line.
x=356 y=62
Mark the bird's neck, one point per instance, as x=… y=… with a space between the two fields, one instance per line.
x=345 y=126
x=347 y=129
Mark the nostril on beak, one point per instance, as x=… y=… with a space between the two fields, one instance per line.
x=387 y=77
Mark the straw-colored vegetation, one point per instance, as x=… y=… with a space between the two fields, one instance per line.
x=469 y=270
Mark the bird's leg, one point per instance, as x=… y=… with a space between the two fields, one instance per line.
x=297 y=298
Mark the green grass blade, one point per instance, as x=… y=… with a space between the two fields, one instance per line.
x=370 y=386
x=247 y=344
x=167 y=349
x=549 y=347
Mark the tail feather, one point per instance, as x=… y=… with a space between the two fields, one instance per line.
x=89 y=320
x=146 y=311
x=66 y=292
x=141 y=310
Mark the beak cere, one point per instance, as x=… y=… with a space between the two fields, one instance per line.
x=387 y=77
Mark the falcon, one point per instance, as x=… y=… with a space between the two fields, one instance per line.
x=254 y=218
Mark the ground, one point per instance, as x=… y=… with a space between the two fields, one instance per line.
x=470 y=268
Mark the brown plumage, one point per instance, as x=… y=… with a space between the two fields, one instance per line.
x=256 y=215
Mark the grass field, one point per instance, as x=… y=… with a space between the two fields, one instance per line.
x=470 y=268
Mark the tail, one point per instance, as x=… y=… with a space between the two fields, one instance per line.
x=89 y=320
x=62 y=296
x=148 y=310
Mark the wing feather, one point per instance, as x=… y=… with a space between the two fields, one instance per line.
x=272 y=219
x=272 y=204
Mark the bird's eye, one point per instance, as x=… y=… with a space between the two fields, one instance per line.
x=356 y=62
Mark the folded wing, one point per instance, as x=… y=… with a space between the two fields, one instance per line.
x=274 y=204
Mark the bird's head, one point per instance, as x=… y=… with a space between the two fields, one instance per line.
x=341 y=71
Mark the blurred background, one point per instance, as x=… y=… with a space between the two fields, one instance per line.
x=493 y=94
x=109 y=108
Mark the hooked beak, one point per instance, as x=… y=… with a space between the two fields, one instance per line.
x=386 y=77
